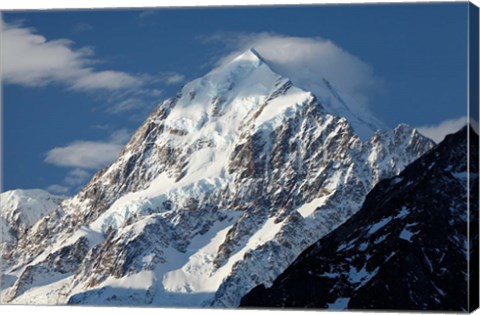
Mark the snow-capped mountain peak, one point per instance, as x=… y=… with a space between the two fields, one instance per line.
x=241 y=170
x=232 y=91
x=250 y=55
x=330 y=96
x=252 y=75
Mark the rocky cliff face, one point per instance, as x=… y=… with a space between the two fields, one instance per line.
x=218 y=191
x=406 y=249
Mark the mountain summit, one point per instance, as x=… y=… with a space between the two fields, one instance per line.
x=359 y=118
x=217 y=192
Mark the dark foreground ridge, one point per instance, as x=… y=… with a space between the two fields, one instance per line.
x=406 y=249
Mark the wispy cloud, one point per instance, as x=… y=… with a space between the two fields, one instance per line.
x=58 y=189
x=438 y=132
x=108 y=80
x=138 y=99
x=76 y=177
x=126 y=104
x=84 y=157
x=120 y=136
x=171 y=77
x=84 y=154
x=30 y=59
x=306 y=61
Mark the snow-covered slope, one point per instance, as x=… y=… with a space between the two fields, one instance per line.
x=218 y=191
x=362 y=121
x=20 y=209
x=408 y=248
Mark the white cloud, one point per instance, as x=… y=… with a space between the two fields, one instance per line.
x=76 y=177
x=89 y=154
x=84 y=154
x=120 y=136
x=438 y=132
x=30 y=59
x=127 y=104
x=108 y=80
x=58 y=189
x=171 y=77
x=306 y=61
x=155 y=92
x=133 y=100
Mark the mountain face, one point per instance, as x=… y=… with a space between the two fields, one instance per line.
x=217 y=192
x=20 y=210
x=406 y=249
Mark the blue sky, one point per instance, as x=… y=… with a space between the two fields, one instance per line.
x=77 y=83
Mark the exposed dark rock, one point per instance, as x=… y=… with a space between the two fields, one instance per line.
x=406 y=249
